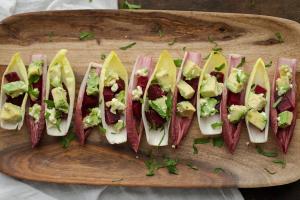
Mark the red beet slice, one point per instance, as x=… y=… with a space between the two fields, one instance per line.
x=285 y=105
x=142 y=82
x=154 y=118
x=121 y=85
x=110 y=117
x=260 y=90
x=233 y=98
x=108 y=94
x=12 y=76
x=155 y=92
x=89 y=101
x=17 y=101
x=218 y=75
x=137 y=109
x=193 y=83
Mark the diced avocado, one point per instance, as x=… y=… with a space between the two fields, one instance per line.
x=50 y=116
x=60 y=99
x=15 y=88
x=121 y=96
x=236 y=80
x=55 y=75
x=110 y=78
x=283 y=85
x=285 y=119
x=256 y=101
x=35 y=69
x=93 y=118
x=191 y=70
x=236 y=113
x=163 y=81
x=33 y=93
x=35 y=111
x=185 y=90
x=258 y=119
x=137 y=93
x=207 y=107
x=11 y=113
x=210 y=86
x=92 y=83
x=160 y=106
x=115 y=104
x=285 y=71
x=185 y=109
x=119 y=125
x=142 y=72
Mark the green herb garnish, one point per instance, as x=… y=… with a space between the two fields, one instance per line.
x=218 y=170
x=178 y=62
x=117 y=180
x=103 y=56
x=268 y=64
x=280 y=162
x=279 y=37
x=195 y=150
x=218 y=141
x=217 y=49
x=50 y=103
x=172 y=42
x=201 y=140
x=169 y=106
x=243 y=61
x=211 y=40
x=277 y=102
x=128 y=46
x=86 y=35
x=33 y=79
x=216 y=125
x=266 y=153
x=170 y=164
x=130 y=6
x=66 y=140
x=152 y=165
x=269 y=171
x=190 y=165
x=183 y=48
x=33 y=92
x=220 y=67
x=206 y=57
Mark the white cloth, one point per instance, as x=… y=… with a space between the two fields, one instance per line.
x=13 y=189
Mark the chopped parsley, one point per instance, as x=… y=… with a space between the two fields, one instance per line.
x=50 y=103
x=33 y=92
x=172 y=42
x=183 y=48
x=243 y=61
x=280 y=162
x=170 y=164
x=130 y=6
x=177 y=62
x=268 y=64
x=216 y=48
x=66 y=140
x=277 y=102
x=220 y=67
x=85 y=35
x=271 y=154
x=34 y=79
x=216 y=125
x=199 y=141
x=218 y=170
x=128 y=46
x=190 y=165
x=103 y=56
x=279 y=37
x=269 y=171
x=218 y=141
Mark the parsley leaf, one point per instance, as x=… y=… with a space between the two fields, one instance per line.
x=268 y=64
x=50 y=103
x=243 y=61
x=86 y=35
x=277 y=102
x=34 y=78
x=269 y=171
x=216 y=125
x=66 y=140
x=190 y=165
x=195 y=150
x=220 y=67
x=218 y=141
x=128 y=46
x=211 y=40
x=280 y=162
x=279 y=37
x=170 y=164
x=266 y=153
x=217 y=49
x=177 y=62
x=183 y=48
x=218 y=170
x=103 y=56
x=172 y=42
x=130 y=6
x=152 y=165
x=33 y=92
x=201 y=140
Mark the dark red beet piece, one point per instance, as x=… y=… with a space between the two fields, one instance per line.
x=108 y=94
x=110 y=117
x=259 y=90
x=218 y=75
x=154 y=119
x=12 y=76
x=121 y=85
x=285 y=105
x=66 y=89
x=155 y=92
x=193 y=83
x=142 y=82
x=180 y=98
x=233 y=98
x=137 y=109
x=17 y=101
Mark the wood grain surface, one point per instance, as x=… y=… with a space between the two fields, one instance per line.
x=99 y=163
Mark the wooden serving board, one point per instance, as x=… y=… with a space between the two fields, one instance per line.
x=99 y=163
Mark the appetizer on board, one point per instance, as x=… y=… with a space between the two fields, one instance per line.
x=60 y=94
x=113 y=90
x=283 y=102
x=87 y=111
x=35 y=114
x=13 y=95
x=185 y=98
x=257 y=100
x=233 y=109
x=140 y=75
x=157 y=106
x=209 y=97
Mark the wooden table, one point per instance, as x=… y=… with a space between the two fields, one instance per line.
x=279 y=8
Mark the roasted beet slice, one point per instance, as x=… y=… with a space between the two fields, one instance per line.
x=12 y=76
x=179 y=97
x=233 y=98
x=218 y=75
x=260 y=90
x=17 y=101
x=108 y=94
x=194 y=83
x=142 y=82
x=154 y=118
x=121 y=85
x=110 y=117
x=89 y=101
x=285 y=105
x=137 y=109
x=155 y=92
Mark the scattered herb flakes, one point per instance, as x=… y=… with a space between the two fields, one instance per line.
x=269 y=171
x=50 y=36
x=66 y=140
x=103 y=56
x=170 y=164
x=211 y=40
x=85 y=35
x=117 y=180
x=201 y=140
x=130 y=6
x=218 y=141
x=172 y=42
x=220 y=67
x=152 y=166
x=195 y=150
x=216 y=125
x=50 y=103
x=161 y=33
x=279 y=37
x=277 y=102
x=128 y=46
x=271 y=154
x=280 y=162
x=218 y=170
x=217 y=49
x=190 y=165
x=243 y=61
x=269 y=64
x=34 y=79
x=183 y=48
x=178 y=62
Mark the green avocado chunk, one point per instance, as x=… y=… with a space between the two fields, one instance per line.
x=185 y=90
x=185 y=109
x=15 y=88
x=60 y=99
x=236 y=113
x=285 y=119
x=258 y=119
x=93 y=118
x=55 y=75
x=92 y=83
x=207 y=107
x=236 y=80
x=35 y=111
x=191 y=70
x=160 y=106
x=162 y=78
x=35 y=69
x=119 y=125
x=210 y=86
x=256 y=101
x=11 y=113
x=283 y=83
